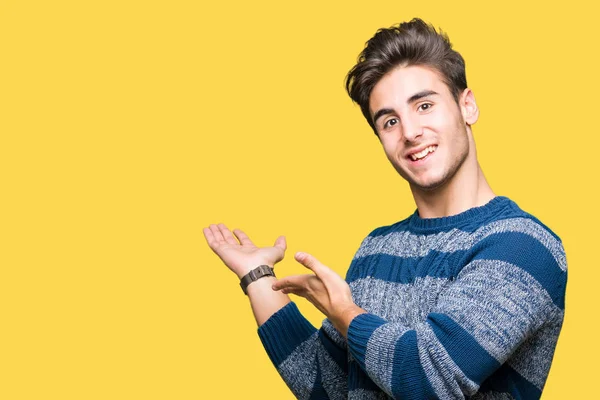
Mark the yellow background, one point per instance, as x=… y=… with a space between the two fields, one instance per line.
x=128 y=126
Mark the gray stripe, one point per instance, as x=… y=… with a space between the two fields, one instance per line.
x=298 y=370
x=408 y=303
x=362 y=394
x=498 y=303
x=300 y=373
x=533 y=358
x=334 y=381
x=379 y=356
x=446 y=378
x=406 y=244
x=492 y=396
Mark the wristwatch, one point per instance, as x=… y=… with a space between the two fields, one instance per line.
x=259 y=272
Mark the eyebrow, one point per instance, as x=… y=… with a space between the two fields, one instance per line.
x=420 y=95
x=411 y=99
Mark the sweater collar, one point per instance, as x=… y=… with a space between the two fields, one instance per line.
x=470 y=215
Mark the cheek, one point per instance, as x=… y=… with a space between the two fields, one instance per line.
x=444 y=115
x=443 y=122
x=389 y=147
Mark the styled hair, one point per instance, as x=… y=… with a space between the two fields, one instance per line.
x=406 y=44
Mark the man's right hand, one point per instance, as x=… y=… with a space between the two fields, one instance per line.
x=239 y=253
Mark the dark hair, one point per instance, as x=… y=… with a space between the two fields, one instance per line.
x=406 y=44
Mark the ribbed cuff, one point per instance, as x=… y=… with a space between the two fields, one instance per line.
x=360 y=330
x=283 y=332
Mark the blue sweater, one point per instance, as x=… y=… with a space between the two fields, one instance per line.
x=467 y=306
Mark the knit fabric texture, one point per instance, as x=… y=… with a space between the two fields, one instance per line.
x=466 y=306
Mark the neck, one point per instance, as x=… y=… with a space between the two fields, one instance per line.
x=468 y=188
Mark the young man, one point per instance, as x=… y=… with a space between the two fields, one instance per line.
x=464 y=298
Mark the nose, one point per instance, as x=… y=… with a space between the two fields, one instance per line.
x=411 y=128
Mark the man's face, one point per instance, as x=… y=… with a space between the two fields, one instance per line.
x=421 y=127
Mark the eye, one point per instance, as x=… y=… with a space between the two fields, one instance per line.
x=390 y=122
x=425 y=106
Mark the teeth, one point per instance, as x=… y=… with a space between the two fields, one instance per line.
x=421 y=154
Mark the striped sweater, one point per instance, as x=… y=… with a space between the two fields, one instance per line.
x=466 y=306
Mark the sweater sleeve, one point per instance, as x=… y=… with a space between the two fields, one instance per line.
x=313 y=363
x=507 y=293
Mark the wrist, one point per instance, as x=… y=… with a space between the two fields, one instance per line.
x=344 y=318
x=245 y=270
x=261 y=285
x=259 y=273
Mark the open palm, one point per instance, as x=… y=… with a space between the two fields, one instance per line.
x=238 y=252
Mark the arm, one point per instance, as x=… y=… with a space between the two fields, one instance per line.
x=241 y=256
x=480 y=319
x=312 y=362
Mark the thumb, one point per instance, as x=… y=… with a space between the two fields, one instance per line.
x=281 y=243
x=310 y=262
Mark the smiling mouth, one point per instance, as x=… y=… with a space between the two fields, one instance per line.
x=422 y=154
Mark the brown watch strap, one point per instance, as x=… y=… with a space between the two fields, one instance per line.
x=257 y=273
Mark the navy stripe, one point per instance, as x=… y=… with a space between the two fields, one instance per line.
x=507 y=380
x=283 y=332
x=469 y=221
x=408 y=377
x=336 y=353
x=530 y=255
x=359 y=332
x=473 y=360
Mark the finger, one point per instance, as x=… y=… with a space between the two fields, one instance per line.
x=242 y=237
x=208 y=236
x=281 y=243
x=217 y=234
x=297 y=292
x=310 y=262
x=292 y=282
x=229 y=238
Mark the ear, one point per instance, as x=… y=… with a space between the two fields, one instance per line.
x=468 y=107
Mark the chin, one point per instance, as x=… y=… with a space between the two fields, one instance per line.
x=429 y=185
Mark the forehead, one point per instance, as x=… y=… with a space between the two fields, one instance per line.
x=398 y=85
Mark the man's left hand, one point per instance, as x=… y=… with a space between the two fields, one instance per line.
x=326 y=290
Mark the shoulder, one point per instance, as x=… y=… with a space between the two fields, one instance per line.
x=400 y=226
x=516 y=230
x=522 y=246
x=379 y=239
